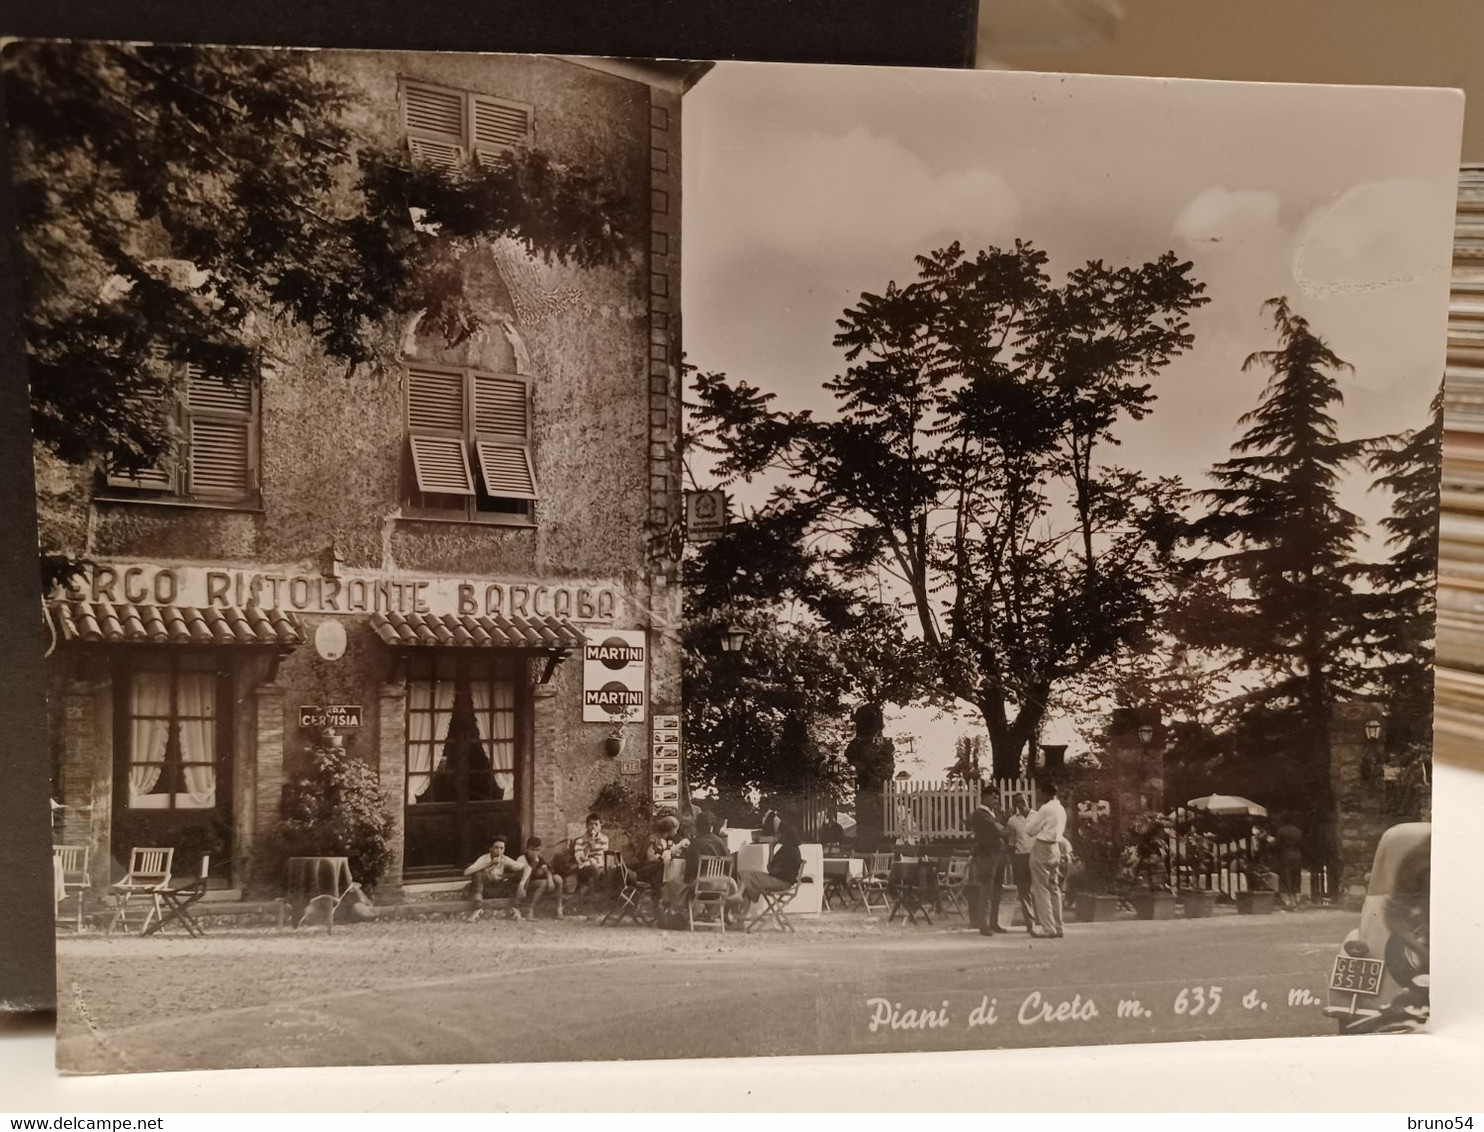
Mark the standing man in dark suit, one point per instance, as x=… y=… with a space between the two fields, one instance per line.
x=987 y=868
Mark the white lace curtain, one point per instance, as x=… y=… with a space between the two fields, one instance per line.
x=494 y=715
x=150 y=733
x=196 y=703
x=429 y=712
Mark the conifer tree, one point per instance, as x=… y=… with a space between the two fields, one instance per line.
x=1284 y=549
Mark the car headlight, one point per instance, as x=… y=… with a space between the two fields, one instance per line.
x=1356 y=948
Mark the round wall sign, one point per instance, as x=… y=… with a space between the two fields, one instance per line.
x=329 y=640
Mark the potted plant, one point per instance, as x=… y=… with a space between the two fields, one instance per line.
x=1260 y=897
x=1198 y=903
x=1155 y=900
x=1095 y=869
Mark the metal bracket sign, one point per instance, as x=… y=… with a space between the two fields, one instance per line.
x=705 y=515
x=330 y=715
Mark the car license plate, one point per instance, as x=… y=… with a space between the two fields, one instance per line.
x=1362 y=976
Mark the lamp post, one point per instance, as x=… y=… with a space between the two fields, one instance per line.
x=1146 y=734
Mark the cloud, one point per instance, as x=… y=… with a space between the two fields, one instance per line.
x=1375 y=237
x=1219 y=215
x=848 y=197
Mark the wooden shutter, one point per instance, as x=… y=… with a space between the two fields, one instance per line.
x=220 y=435
x=441 y=464
x=502 y=435
x=496 y=125
x=506 y=469
x=434 y=120
x=437 y=430
x=502 y=405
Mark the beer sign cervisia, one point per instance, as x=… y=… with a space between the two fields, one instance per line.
x=614 y=675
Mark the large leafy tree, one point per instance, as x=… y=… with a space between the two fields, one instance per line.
x=773 y=718
x=967 y=463
x=1290 y=622
x=176 y=200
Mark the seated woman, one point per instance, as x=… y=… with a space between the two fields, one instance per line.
x=783 y=869
x=768 y=834
x=659 y=851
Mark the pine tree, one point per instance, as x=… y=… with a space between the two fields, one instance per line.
x=1284 y=547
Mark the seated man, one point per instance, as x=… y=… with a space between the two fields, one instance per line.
x=706 y=843
x=537 y=879
x=493 y=871
x=583 y=861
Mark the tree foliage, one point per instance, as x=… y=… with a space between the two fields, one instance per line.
x=176 y=200
x=337 y=809
x=966 y=462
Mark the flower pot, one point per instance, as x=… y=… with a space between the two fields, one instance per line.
x=1154 y=905
x=613 y=746
x=1092 y=907
x=1259 y=903
x=1198 y=905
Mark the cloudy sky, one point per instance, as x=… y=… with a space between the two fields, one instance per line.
x=806 y=185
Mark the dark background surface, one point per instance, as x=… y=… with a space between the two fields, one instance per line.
x=887 y=32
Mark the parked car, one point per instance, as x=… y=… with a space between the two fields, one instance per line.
x=1379 y=981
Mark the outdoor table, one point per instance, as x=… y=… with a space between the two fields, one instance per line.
x=839 y=874
x=309 y=877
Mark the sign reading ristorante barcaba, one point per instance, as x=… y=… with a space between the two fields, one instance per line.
x=304 y=591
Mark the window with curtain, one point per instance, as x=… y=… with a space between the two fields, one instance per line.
x=460 y=729
x=172 y=718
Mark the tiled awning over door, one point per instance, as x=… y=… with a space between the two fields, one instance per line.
x=114 y=622
x=449 y=631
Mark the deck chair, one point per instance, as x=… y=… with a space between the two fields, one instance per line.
x=72 y=868
x=148 y=875
x=178 y=900
x=710 y=893
x=874 y=883
x=629 y=903
x=952 y=896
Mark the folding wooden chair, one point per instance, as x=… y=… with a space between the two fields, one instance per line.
x=178 y=902
x=148 y=875
x=913 y=887
x=951 y=887
x=775 y=905
x=629 y=903
x=709 y=894
x=874 y=883
x=71 y=863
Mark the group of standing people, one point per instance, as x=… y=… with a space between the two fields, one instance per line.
x=1039 y=854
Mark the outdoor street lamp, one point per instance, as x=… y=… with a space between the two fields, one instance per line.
x=1146 y=733
x=732 y=638
x=1373 y=729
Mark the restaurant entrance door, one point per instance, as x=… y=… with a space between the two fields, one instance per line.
x=466 y=714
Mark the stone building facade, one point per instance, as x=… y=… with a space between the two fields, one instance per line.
x=427 y=546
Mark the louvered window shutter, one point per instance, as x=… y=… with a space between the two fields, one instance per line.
x=502 y=435
x=222 y=427
x=437 y=432
x=158 y=477
x=435 y=122
x=496 y=125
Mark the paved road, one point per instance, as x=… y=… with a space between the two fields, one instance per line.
x=585 y=992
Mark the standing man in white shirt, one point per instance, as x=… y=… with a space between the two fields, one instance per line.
x=1047 y=827
x=1020 y=861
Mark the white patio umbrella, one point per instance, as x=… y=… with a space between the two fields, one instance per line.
x=1228 y=804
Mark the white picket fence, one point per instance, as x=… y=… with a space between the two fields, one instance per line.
x=924 y=811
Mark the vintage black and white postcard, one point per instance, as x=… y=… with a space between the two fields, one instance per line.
x=1004 y=618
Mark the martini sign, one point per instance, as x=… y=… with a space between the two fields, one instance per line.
x=614 y=675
